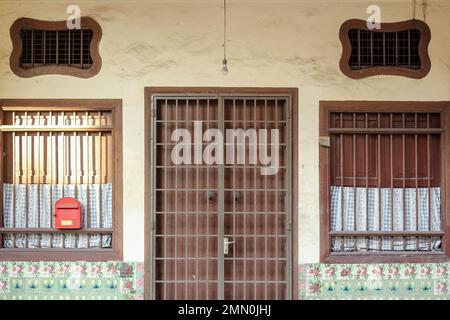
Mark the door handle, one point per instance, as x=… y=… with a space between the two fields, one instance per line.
x=226 y=242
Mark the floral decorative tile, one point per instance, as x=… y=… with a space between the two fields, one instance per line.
x=71 y=280
x=374 y=281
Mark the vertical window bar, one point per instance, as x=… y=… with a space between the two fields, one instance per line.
x=15 y=179
x=354 y=178
x=409 y=48
x=392 y=178
x=69 y=61
x=101 y=176
x=57 y=47
x=429 y=181
x=27 y=177
x=379 y=179
x=359 y=49
x=342 y=178
x=371 y=48
x=44 y=46
x=416 y=162
x=32 y=48
x=384 y=49
x=367 y=180
x=88 y=172
x=51 y=172
x=396 y=49
x=403 y=182
x=39 y=172
x=81 y=48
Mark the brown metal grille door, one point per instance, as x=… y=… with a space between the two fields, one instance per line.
x=221 y=231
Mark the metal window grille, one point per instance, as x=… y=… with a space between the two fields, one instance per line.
x=198 y=208
x=384 y=49
x=56 y=47
x=49 y=155
x=385 y=176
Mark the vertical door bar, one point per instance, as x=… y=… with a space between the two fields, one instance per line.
x=276 y=215
x=153 y=141
x=254 y=205
x=207 y=212
x=244 y=110
x=196 y=212
x=266 y=118
x=288 y=206
x=175 y=235
x=220 y=197
x=234 y=207
x=186 y=194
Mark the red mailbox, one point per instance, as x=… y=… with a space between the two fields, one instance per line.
x=68 y=214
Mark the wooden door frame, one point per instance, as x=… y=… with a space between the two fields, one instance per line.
x=149 y=92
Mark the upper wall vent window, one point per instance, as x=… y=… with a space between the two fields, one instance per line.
x=44 y=47
x=395 y=49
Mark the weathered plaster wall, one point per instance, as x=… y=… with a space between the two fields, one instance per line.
x=271 y=44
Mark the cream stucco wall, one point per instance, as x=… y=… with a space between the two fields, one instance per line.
x=271 y=44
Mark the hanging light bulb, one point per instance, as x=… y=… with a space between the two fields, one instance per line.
x=225 y=66
x=224 y=61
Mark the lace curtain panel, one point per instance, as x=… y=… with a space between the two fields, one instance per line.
x=32 y=206
x=385 y=209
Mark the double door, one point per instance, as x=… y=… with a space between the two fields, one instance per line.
x=221 y=225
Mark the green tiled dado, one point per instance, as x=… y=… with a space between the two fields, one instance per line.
x=374 y=281
x=71 y=280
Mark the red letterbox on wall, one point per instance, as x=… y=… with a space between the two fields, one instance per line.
x=68 y=214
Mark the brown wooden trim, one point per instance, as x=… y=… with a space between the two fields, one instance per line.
x=326 y=107
x=385 y=27
x=66 y=255
x=116 y=253
x=86 y=22
x=151 y=91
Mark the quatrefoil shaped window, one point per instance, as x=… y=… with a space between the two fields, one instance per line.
x=49 y=47
x=395 y=49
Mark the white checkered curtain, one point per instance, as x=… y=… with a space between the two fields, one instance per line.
x=42 y=202
x=392 y=205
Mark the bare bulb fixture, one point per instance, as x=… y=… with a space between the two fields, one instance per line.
x=224 y=61
x=225 y=66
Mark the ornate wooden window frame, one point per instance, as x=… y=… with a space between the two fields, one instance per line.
x=79 y=105
x=326 y=255
x=22 y=23
x=425 y=37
